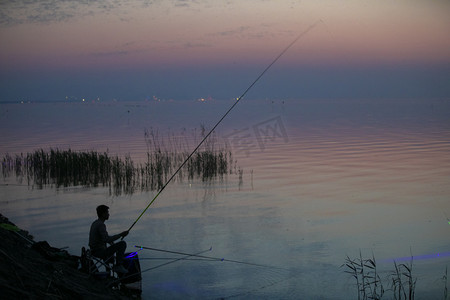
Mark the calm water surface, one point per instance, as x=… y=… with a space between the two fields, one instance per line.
x=321 y=180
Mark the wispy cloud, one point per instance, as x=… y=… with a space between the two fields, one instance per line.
x=120 y=50
x=15 y=12
x=233 y=32
x=190 y=45
x=46 y=11
x=246 y=32
x=50 y=11
x=110 y=53
x=182 y=3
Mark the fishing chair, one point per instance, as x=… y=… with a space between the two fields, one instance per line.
x=95 y=266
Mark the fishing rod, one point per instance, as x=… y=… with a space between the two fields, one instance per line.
x=172 y=258
x=158 y=266
x=178 y=259
x=208 y=257
x=223 y=117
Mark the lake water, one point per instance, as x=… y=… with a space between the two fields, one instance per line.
x=322 y=180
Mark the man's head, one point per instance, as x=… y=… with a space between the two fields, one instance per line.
x=103 y=212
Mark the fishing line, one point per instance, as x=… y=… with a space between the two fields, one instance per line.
x=178 y=259
x=210 y=258
x=172 y=258
x=158 y=266
x=223 y=117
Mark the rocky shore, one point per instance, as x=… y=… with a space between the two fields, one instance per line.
x=27 y=271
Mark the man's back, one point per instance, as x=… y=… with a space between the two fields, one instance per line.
x=97 y=235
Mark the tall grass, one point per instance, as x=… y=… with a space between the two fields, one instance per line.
x=166 y=153
x=444 y=278
x=368 y=281
x=63 y=168
x=401 y=281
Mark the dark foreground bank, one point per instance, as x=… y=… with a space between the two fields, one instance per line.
x=28 y=272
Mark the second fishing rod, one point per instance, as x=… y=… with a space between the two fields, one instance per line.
x=221 y=119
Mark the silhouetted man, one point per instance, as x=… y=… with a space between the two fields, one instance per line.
x=98 y=238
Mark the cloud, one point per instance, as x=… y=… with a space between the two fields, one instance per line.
x=38 y=12
x=123 y=49
x=247 y=32
x=190 y=45
x=182 y=3
x=49 y=11
x=16 y=12
x=21 y=12
x=233 y=32
x=110 y=53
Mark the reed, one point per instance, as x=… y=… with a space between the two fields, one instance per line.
x=402 y=281
x=444 y=278
x=368 y=281
x=64 y=168
x=166 y=153
x=370 y=286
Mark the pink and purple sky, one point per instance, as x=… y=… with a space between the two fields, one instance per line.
x=181 y=49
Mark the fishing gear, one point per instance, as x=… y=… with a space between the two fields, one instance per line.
x=209 y=257
x=223 y=117
x=133 y=255
x=172 y=258
x=177 y=259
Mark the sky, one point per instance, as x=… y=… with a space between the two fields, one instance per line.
x=135 y=50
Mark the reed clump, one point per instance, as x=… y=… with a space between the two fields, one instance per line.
x=368 y=281
x=165 y=155
x=401 y=282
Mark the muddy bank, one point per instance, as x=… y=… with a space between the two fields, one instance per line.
x=28 y=273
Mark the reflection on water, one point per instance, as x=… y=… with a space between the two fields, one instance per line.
x=342 y=178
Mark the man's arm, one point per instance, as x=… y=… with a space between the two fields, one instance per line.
x=110 y=238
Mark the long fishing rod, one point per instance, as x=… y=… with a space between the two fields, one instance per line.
x=177 y=259
x=172 y=258
x=208 y=257
x=158 y=266
x=223 y=117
